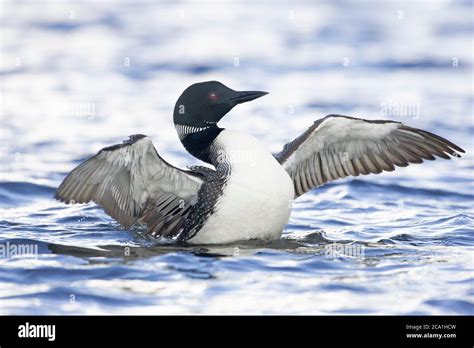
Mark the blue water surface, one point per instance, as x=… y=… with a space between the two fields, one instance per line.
x=80 y=76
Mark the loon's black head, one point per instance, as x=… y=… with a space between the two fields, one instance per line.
x=198 y=110
x=205 y=103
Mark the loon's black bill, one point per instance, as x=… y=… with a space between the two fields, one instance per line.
x=246 y=96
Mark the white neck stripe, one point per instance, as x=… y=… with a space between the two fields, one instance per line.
x=184 y=130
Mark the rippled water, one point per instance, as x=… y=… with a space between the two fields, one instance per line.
x=78 y=77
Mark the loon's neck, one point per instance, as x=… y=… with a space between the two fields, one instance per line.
x=197 y=140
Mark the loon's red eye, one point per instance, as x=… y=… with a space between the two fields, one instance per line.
x=212 y=96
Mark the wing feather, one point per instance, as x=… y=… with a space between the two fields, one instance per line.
x=132 y=183
x=338 y=146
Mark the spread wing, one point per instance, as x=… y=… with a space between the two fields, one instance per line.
x=338 y=146
x=133 y=184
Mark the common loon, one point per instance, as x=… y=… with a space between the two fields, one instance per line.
x=249 y=193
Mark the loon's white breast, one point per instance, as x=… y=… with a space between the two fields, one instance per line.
x=257 y=196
